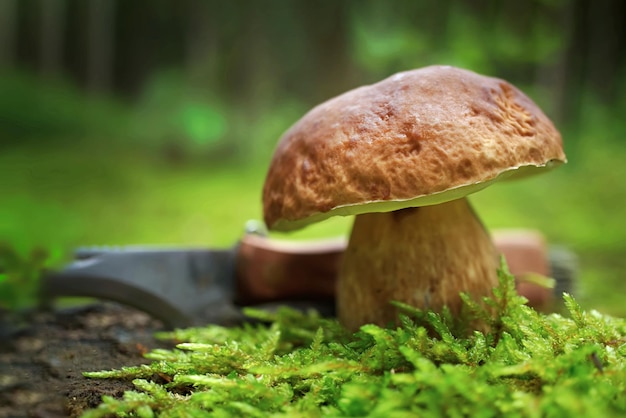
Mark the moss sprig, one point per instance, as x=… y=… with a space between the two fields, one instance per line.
x=525 y=364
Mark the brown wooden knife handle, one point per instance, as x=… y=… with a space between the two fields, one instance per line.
x=270 y=270
x=526 y=252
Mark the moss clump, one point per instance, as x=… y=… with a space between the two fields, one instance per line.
x=527 y=365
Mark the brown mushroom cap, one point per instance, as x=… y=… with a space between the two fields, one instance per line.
x=417 y=138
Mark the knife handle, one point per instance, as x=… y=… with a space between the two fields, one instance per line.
x=270 y=270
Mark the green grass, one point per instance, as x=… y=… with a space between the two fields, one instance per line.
x=77 y=195
x=527 y=365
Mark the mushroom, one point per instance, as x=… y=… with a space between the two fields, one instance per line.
x=402 y=155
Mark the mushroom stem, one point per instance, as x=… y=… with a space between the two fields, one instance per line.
x=423 y=256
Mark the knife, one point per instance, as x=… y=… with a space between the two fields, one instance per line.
x=194 y=286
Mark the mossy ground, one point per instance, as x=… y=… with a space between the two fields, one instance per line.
x=299 y=364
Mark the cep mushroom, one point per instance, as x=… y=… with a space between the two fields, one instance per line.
x=402 y=155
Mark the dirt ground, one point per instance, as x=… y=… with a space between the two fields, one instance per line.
x=42 y=359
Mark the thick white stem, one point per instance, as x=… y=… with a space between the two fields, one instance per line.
x=421 y=256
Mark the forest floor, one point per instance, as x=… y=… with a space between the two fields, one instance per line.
x=42 y=360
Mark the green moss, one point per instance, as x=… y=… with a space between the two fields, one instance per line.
x=299 y=364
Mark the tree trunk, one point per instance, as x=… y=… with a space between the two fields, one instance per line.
x=101 y=34
x=606 y=28
x=8 y=17
x=201 y=44
x=553 y=76
x=51 y=41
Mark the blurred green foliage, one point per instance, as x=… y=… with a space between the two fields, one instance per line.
x=19 y=276
x=181 y=114
x=38 y=111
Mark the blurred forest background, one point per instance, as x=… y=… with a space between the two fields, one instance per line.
x=153 y=121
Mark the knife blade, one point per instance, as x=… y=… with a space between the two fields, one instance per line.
x=180 y=286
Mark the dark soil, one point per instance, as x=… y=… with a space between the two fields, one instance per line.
x=42 y=360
